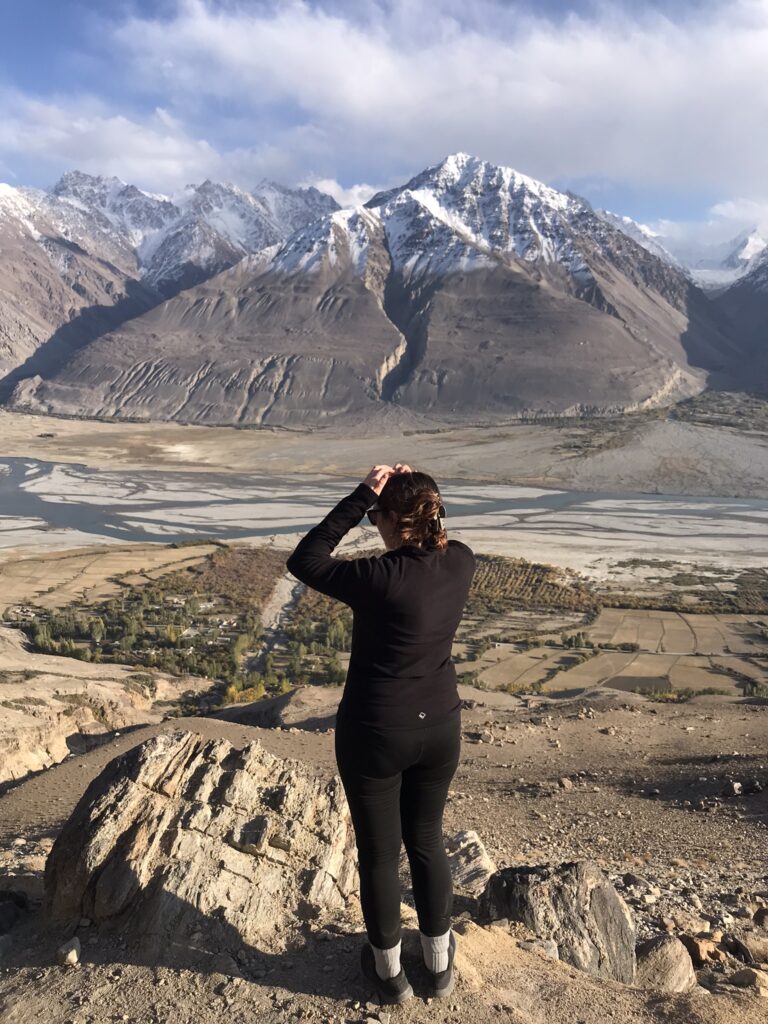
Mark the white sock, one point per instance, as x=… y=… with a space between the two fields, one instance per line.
x=387 y=961
x=435 y=950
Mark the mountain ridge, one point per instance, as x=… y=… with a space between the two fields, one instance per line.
x=471 y=288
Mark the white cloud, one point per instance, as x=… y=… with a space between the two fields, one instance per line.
x=640 y=98
x=79 y=132
x=374 y=90
x=743 y=211
x=355 y=195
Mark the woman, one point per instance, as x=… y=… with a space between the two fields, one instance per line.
x=398 y=730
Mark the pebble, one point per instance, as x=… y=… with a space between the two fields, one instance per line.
x=69 y=952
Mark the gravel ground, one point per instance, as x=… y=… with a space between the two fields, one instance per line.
x=645 y=789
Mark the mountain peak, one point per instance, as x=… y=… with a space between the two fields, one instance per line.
x=75 y=182
x=461 y=176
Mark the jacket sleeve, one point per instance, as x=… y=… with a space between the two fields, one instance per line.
x=311 y=560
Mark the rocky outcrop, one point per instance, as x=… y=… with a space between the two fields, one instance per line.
x=52 y=706
x=192 y=843
x=575 y=905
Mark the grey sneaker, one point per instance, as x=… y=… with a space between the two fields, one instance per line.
x=389 y=990
x=443 y=982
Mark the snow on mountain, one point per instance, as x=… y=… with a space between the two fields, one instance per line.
x=184 y=239
x=477 y=213
x=754 y=272
x=471 y=290
x=717 y=265
x=745 y=248
x=459 y=215
x=134 y=214
x=340 y=236
x=292 y=208
x=642 y=234
x=57 y=225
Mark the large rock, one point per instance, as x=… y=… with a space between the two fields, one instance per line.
x=663 y=963
x=190 y=842
x=575 y=905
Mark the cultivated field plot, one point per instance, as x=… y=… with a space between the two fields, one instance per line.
x=600 y=669
x=679 y=632
x=557 y=671
x=57 y=578
x=517 y=623
x=522 y=670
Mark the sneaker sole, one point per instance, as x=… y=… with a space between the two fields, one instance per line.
x=446 y=991
x=406 y=994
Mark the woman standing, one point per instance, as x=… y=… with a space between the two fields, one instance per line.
x=398 y=731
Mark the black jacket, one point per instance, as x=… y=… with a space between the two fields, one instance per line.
x=406 y=605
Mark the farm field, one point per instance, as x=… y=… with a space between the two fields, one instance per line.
x=528 y=627
x=680 y=632
x=53 y=579
x=674 y=652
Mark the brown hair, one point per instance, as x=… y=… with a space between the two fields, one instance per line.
x=416 y=501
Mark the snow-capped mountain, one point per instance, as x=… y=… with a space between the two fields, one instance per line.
x=182 y=240
x=64 y=276
x=470 y=291
x=461 y=214
x=745 y=304
x=93 y=252
x=133 y=214
x=715 y=266
x=466 y=214
x=744 y=249
x=292 y=208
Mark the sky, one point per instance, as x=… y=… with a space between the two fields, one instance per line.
x=652 y=109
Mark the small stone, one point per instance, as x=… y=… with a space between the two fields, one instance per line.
x=546 y=946
x=69 y=952
x=748 y=977
x=565 y=783
x=701 y=949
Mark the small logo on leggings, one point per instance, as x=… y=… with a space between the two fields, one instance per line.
x=422 y=714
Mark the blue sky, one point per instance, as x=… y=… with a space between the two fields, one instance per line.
x=651 y=109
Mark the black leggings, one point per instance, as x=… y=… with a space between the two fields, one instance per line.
x=396 y=781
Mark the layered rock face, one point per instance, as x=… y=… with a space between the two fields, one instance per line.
x=183 y=843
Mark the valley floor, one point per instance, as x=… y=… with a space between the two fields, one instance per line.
x=643 y=453
x=650 y=785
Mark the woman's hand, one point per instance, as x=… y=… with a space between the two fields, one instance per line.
x=378 y=476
